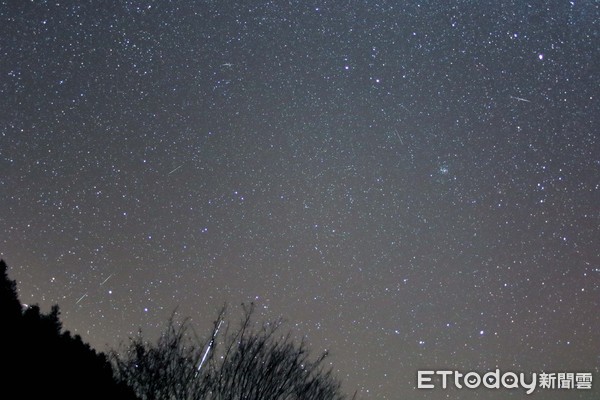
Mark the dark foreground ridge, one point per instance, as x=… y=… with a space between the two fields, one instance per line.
x=40 y=361
x=246 y=361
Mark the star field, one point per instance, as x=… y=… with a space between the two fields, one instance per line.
x=410 y=185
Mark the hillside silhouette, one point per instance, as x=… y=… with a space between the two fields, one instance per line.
x=40 y=361
x=243 y=361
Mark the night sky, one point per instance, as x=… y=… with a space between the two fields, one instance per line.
x=411 y=185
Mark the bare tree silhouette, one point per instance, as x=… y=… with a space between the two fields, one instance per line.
x=248 y=362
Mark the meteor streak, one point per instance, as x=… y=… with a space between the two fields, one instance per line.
x=81 y=298
x=104 y=281
x=175 y=170
x=520 y=99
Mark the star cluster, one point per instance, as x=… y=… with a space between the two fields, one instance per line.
x=409 y=184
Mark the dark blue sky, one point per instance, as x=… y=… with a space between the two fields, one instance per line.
x=410 y=184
